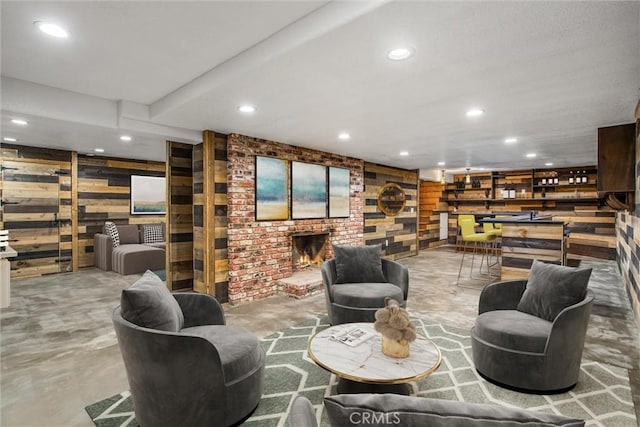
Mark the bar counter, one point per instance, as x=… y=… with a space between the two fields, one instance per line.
x=527 y=237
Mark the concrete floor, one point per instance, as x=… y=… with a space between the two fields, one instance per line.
x=59 y=351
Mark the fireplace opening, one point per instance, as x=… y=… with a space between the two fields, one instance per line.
x=308 y=250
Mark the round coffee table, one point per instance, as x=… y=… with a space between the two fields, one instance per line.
x=364 y=368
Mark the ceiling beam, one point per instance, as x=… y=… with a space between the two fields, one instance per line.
x=311 y=26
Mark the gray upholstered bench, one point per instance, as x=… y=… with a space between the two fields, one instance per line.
x=135 y=258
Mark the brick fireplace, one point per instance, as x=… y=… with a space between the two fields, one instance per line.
x=260 y=253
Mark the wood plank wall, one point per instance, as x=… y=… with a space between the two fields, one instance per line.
x=104 y=187
x=39 y=214
x=199 y=279
x=522 y=243
x=220 y=222
x=429 y=214
x=401 y=231
x=628 y=236
x=211 y=261
x=179 y=173
x=628 y=239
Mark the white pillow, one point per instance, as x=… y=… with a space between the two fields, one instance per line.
x=112 y=231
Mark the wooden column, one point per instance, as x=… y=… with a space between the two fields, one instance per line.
x=179 y=217
x=210 y=216
x=75 y=246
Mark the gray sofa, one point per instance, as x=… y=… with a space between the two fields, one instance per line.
x=131 y=255
x=532 y=352
x=358 y=301
x=184 y=365
x=406 y=411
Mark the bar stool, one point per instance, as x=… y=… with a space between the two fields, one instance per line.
x=493 y=229
x=482 y=242
x=462 y=217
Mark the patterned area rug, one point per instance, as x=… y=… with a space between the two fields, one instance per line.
x=602 y=396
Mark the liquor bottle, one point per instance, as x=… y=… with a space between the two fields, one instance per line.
x=555 y=179
x=585 y=177
x=571 y=179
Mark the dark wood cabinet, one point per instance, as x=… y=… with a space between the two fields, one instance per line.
x=616 y=158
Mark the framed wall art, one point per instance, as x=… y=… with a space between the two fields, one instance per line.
x=339 y=185
x=308 y=190
x=272 y=198
x=148 y=195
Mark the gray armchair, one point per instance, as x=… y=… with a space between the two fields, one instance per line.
x=204 y=374
x=358 y=301
x=392 y=409
x=524 y=351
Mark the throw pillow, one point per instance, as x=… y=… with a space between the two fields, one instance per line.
x=358 y=264
x=148 y=303
x=396 y=410
x=112 y=231
x=552 y=288
x=153 y=233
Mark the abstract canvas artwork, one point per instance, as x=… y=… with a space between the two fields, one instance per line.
x=272 y=178
x=338 y=192
x=308 y=190
x=148 y=195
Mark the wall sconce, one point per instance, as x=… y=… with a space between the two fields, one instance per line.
x=467 y=179
x=442 y=177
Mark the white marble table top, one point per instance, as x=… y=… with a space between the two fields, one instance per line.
x=366 y=363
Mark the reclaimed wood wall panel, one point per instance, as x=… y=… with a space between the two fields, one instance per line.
x=179 y=173
x=211 y=264
x=398 y=234
x=198 y=219
x=104 y=195
x=429 y=214
x=217 y=205
x=522 y=243
x=628 y=238
x=36 y=209
x=628 y=257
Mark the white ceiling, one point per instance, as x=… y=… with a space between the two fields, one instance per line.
x=549 y=73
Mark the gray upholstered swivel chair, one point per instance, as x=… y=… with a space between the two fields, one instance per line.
x=358 y=298
x=525 y=351
x=203 y=374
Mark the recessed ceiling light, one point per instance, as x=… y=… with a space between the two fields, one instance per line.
x=52 y=29
x=548 y=164
x=510 y=140
x=19 y=122
x=246 y=108
x=475 y=112
x=404 y=153
x=9 y=139
x=99 y=150
x=441 y=163
x=400 y=53
x=344 y=136
x=530 y=155
x=126 y=138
